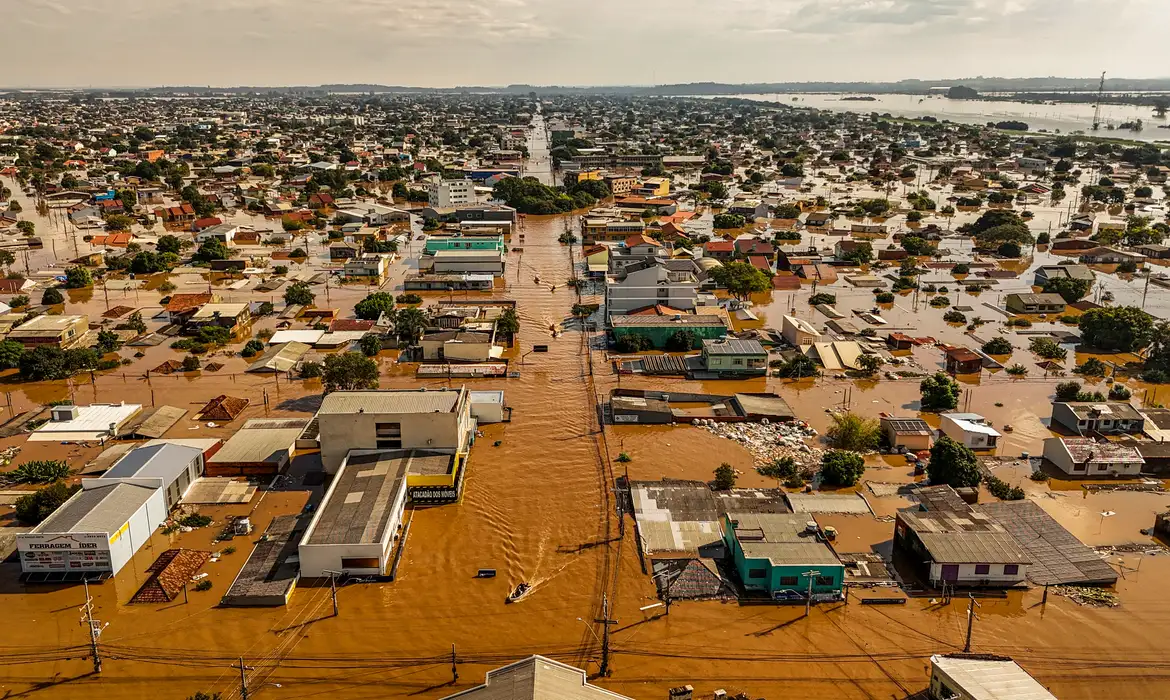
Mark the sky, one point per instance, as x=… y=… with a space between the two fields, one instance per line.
x=447 y=43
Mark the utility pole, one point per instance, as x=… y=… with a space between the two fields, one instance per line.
x=95 y=628
x=808 y=599
x=454 y=668
x=970 y=622
x=243 y=679
x=605 y=669
x=333 y=587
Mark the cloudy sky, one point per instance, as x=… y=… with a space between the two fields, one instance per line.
x=440 y=43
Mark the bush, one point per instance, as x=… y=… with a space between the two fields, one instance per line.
x=1004 y=491
x=408 y=298
x=1067 y=391
x=310 y=370
x=19 y=301
x=998 y=346
x=195 y=520
x=904 y=283
x=726 y=221
x=39 y=505
x=884 y=298
x=940 y=302
x=52 y=296
x=822 y=298
x=851 y=431
x=798 y=367
x=204 y=585
x=265 y=309
x=841 y=468
x=1017 y=370
x=370 y=344
x=39 y=471
x=781 y=468
x=961 y=269
x=251 y=348
x=724 y=477
x=190 y=363
x=213 y=335
x=634 y=342
x=1018 y=323
x=1091 y=367
x=1048 y=349
x=682 y=341
x=1119 y=392
x=955 y=317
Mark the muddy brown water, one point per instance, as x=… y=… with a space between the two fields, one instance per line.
x=539 y=508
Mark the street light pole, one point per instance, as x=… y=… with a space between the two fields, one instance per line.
x=808 y=600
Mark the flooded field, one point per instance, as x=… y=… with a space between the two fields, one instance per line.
x=540 y=508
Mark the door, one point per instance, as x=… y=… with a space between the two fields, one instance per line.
x=950 y=572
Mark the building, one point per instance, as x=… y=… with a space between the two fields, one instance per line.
x=536 y=678
x=799 y=332
x=373 y=215
x=750 y=209
x=1104 y=255
x=359 y=517
x=783 y=555
x=182 y=307
x=963 y=361
x=910 y=434
x=436 y=243
x=959 y=547
x=436 y=421
x=982 y=677
x=491 y=262
x=649 y=284
x=94 y=533
x=63 y=332
x=230 y=316
x=459 y=346
x=653 y=187
x=449 y=282
x=1043 y=303
x=170 y=467
x=93 y=423
x=1085 y=457
x=368 y=268
x=732 y=357
x=450 y=193
x=659 y=329
x=1156 y=251
x=969 y=429
x=620 y=185
x=488 y=407
x=1110 y=417
x=1048 y=272
x=262 y=448
x=224 y=233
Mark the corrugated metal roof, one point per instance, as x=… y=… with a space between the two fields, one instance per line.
x=391 y=401
x=256 y=446
x=279 y=358
x=781 y=539
x=100 y=509
x=733 y=346
x=985 y=679
x=166 y=461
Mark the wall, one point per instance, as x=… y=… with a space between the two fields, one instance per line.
x=342 y=432
x=138 y=529
x=995 y=575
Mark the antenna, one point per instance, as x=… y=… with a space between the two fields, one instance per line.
x=1097 y=108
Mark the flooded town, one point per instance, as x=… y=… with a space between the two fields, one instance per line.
x=544 y=394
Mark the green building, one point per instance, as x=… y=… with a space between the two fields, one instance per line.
x=778 y=554
x=436 y=243
x=659 y=329
x=732 y=357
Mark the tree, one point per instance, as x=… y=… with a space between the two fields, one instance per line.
x=634 y=342
x=52 y=296
x=146 y=262
x=780 y=468
x=190 y=363
x=870 y=364
x=728 y=221
x=851 y=431
x=78 y=278
x=108 y=341
x=410 y=324
x=370 y=344
x=43 y=363
x=349 y=371
x=859 y=254
x=841 y=468
x=1048 y=349
x=169 y=244
x=939 y=392
x=998 y=346
x=508 y=322
x=299 y=294
x=787 y=211
x=799 y=367
x=212 y=249
x=1068 y=391
x=953 y=464
x=740 y=279
x=681 y=341
x=10 y=354
x=915 y=245
x=119 y=222
x=27 y=228
x=39 y=505
x=724 y=477
x=7 y=259
x=715 y=189
x=1121 y=329
x=252 y=348
x=1009 y=249
x=374 y=305
x=135 y=323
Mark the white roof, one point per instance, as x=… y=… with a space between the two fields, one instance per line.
x=972 y=427
x=307 y=337
x=92 y=422
x=983 y=679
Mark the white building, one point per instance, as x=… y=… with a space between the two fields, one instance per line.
x=170 y=467
x=224 y=233
x=474 y=261
x=1085 y=457
x=95 y=422
x=799 y=332
x=969 y=429
x=647 y=284
x=450 y=193
x=981 y=677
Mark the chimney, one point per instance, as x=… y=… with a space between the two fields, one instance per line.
x=685 y=692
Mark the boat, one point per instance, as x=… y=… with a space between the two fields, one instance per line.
x=522 y=589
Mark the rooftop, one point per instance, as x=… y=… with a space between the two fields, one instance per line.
x=102 y=509
x=356 y=510
x=981 y=678
x=733 y=346
x=1089 y=450
x=165 y=461
x=260 y=441
x=1115 y=410
x=908 y=426
x=536 y=678
x=964 y=538
x=41 y=324
x=780 y=538
x=633 y=321
x=391 y=401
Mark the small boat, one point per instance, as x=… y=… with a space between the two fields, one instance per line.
x=522 y=589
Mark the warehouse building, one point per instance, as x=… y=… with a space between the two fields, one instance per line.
x=783 y=555
x=982 y=677
x=95 y=422
x=263 y=447
x=172 y=468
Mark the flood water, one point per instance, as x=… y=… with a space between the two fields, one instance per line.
x=1063 y=117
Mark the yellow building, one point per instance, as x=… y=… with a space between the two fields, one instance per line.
x=574 y=178
x=655 y=187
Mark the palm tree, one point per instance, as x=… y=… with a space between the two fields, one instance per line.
x=410 y=323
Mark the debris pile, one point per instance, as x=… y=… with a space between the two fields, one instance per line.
x=769 y=441
x=1084 y=595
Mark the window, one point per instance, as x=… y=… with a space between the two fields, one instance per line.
x=982 y=569
x=388 y=435
x=360 y=563
x=1011 y=569
x=788 y=580
x=1078 y=467
x=824 y=580
x=738 y=362
x=757 y=573
x=1102 y=467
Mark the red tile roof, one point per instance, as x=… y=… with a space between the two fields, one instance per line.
x=186 y=302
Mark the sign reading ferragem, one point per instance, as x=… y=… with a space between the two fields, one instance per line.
x=64 y=552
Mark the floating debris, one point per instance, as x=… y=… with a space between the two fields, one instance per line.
x=769 y=441
x=1084 y=595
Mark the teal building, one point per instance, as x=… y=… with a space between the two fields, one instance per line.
x=436 y=243
x=780 y=554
